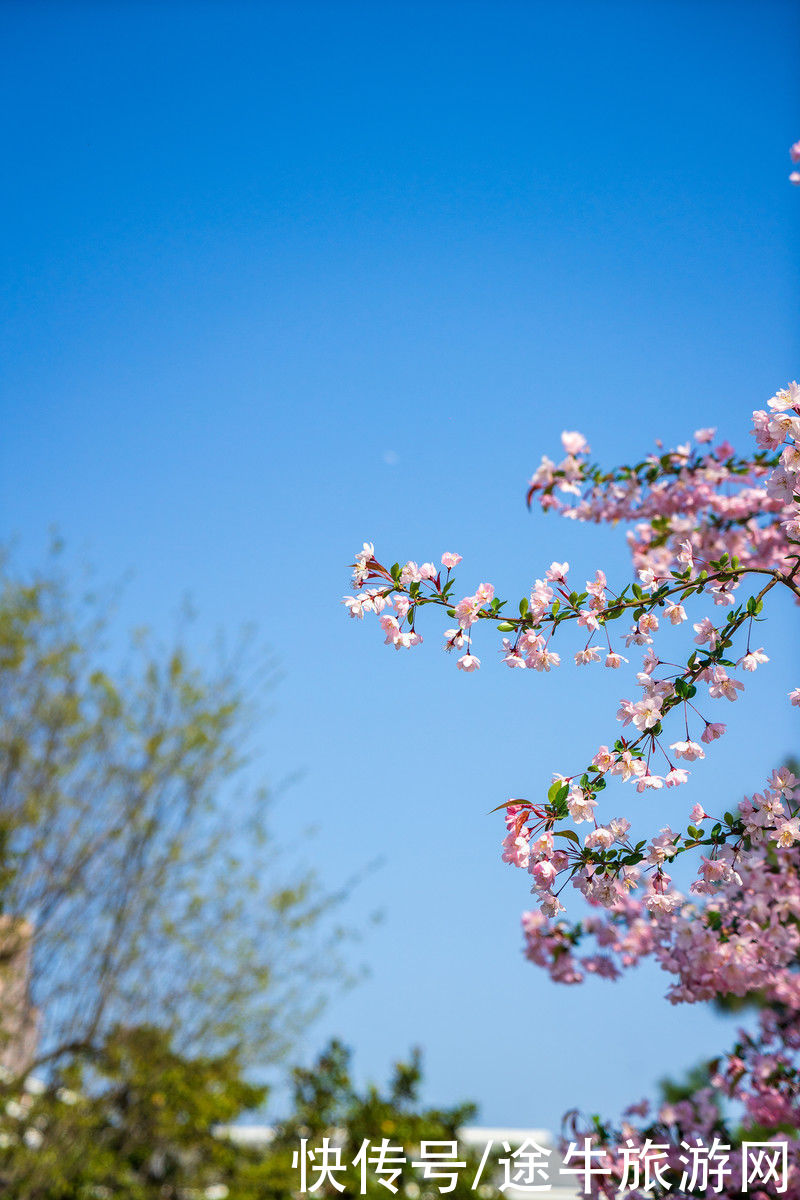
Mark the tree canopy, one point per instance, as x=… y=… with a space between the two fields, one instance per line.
x=134 y=843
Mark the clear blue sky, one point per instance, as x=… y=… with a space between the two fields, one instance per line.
x=278 y=278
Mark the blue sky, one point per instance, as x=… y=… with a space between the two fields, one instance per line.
x=279 y=278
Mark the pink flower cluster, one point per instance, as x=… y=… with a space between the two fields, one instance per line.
x=705 y=523
x=734 y=1135
x=745 y=938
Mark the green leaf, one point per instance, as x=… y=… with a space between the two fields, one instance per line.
x=558 y=791
x=570 y=834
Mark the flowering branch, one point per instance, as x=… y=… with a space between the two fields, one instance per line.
x=705 y=521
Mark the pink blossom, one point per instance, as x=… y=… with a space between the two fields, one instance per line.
x=688 y=750
x=466 y=612
x=355 y=606
x=588 y=620
x=723 y=686
x=706 y=633
x=786 y=398
x=603 y=759
x=649 y=664
x=390 y=626
x=662 y=902
x=543 y=660
x=511 y=657
x=784 y=782
x=410 y=574
x=541 y=595
x=685 y=553
x=468 y=662
x=516 y=851
x=752 y=659
x=361 y=565
x=542 y=846
x=619 y=828
x=581 y=808
x=788 y=832
x=544 y=873
x=647 y=712
x=675 y=613
x=717 y=870
x=628 y=766
x=648 y=623
x=640 y=1109
x=574 y=443
x=551 y=906
x=602 y=838
x=450 y=560
x=646 y=780
x=648 y=579
x=596 y=587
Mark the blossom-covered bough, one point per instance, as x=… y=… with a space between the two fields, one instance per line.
x=708 y=525
x=714 y=536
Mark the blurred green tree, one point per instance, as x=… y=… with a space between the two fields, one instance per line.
x=154 y=1125
x=153 y=932
x=133 y=1118
x=328 y=1104
x=134 y=846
